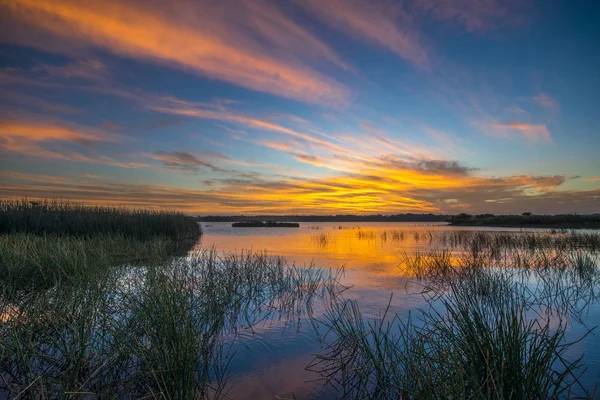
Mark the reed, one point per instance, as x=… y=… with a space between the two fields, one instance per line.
x=54 y=217
x=162 y=331
x=494 y=325
x=37 y=262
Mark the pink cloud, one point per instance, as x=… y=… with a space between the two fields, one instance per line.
x=547 y=101
x=532 y=132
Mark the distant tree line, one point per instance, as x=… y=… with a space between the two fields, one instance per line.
x=328 y=218
x=527 y=219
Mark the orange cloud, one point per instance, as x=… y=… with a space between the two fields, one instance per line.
x=275 y=145
x=14 y=130
x=386 y=188
x=189 y=37
x=30 y=137
x=385 y=24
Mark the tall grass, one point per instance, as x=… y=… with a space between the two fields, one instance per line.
x=37 y=262
x=159 y=332
x=73 y=219
x=494 y=326
x=485 y=343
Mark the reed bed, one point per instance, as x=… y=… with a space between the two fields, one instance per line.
x=559 y=240
x=37 y=262
x=494 y=325
x=53 y=217
x=157 y=332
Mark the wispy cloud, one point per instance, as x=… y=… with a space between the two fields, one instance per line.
x=382 y=23
x=188 y=36
x=14 y=131
x=181 y=160
x=51 y=139
x=88 y=69
x=516 y=109
x=250 y=122
x=532 y=132
x=515 y=130
x=474 y=15
x=547 y=101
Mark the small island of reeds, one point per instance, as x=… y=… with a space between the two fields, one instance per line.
x=265 y=224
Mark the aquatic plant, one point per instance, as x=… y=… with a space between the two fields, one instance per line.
x=55 y=217
x=479 y=339
x=494 y=325
x=161 y=331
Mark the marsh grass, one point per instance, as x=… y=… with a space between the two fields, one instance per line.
x=54 y=217
x=163 y=331
x=494 y=324
x=35 y=262
x=109 y=303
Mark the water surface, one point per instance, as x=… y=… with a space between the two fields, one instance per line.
x=270 y=361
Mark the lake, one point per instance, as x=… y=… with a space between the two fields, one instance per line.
x=270 y=360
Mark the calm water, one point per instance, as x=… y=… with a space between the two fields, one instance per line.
x=270 y=361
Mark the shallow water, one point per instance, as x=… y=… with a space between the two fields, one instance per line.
x=270 y=362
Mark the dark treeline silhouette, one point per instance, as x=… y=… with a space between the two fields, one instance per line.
x=527 y=219
x=265 y=224
x=328 y=218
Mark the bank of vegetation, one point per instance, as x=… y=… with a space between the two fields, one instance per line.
x=63 y=218
x=407 y=217
x=101 y=302
x=265 y=224
x=104 y=302
x=527 y=219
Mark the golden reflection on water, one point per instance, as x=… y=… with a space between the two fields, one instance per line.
x=371 y=250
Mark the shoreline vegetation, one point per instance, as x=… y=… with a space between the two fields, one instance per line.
x=105 y=302
x=528 y=220
x=525 y=220
x=102 y=302
x=265 y=224
x=61 y=218
x=326 y=218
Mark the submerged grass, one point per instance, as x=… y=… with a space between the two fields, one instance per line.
x=491 y=328
x=162 y=332
x=109 y=303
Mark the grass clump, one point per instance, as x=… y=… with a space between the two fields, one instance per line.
x=158 y=332
x=37 y=262
x=494 y=326
x=479 y=340
x=62 y=218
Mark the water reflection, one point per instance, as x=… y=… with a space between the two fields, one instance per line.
x=272 y=362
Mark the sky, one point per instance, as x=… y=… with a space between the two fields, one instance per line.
x=303 y=106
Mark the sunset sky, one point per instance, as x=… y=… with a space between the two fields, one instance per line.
x=303 y=106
